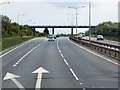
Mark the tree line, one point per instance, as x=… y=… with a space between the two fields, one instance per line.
x=13 y=29
x=108 y=29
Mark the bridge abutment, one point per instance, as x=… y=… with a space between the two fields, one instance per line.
x=72 y=31
x=53 y=31
x=33 y=31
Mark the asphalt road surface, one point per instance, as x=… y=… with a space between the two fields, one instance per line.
x=103 y=41
x=69 y=66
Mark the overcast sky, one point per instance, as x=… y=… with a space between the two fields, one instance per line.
x=54 y=12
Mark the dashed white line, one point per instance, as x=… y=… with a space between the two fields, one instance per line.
x=66 y=62
x=17 y=63
x=60 y=52
x=57 y=45
x=31 y=50
x=81 y=83
x=20 y=59
x=95 y=54
x=62 y=56
x=14 y=65
x=27 y=53
x=74 y=74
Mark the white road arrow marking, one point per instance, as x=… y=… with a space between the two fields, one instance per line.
x=12 y=77
x=39 y=71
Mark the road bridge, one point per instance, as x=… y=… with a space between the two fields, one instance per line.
x=60 y=26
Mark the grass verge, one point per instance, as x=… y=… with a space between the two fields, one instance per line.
x=12 y=41
x=113 y=38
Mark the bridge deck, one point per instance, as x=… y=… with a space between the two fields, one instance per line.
x=61 y=26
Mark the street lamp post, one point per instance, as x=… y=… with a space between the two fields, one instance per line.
x=18 y=22
x=72 y=19
x=71 y=23
x=76 y=15
x=19 y=17
x=76 y=21
x=1 y=4
x=89 y=21
x=29 y=21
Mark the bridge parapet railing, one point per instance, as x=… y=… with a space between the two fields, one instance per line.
x=103 y=48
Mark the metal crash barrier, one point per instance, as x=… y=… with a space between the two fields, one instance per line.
x=103 y=48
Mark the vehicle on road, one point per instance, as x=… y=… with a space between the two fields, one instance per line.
x=55 y=37
x=100 y=37
x=51 y=38
x=79 y=36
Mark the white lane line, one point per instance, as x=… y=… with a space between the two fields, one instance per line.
x=81 y=83
x=16 y=48
x=62 y=56
x=66 y=62
x=57 y=45
x=17 y=63
x=14 y=65
x=29 y=52
x=60 y=51
x=74 y=74
x=95 y=53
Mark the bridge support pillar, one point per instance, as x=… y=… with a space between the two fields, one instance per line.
x=53 y=31
x=72 y=31
x=33 y=31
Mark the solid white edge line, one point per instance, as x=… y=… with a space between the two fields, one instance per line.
x=95 y=53
x=74 y=74
x=16 y=48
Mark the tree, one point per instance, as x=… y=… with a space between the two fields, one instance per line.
x=14 y=29
x=6 y=26
x=106 y=29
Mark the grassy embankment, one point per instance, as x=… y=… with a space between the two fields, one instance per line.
x=113 y=38
x=12 y=41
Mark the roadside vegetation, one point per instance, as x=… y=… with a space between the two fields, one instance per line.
x=13 y=33
x=11 y=41
x=110 y=30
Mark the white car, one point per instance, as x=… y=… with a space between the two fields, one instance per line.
x=100 y=37
x=51 y=38
x=79 y=36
